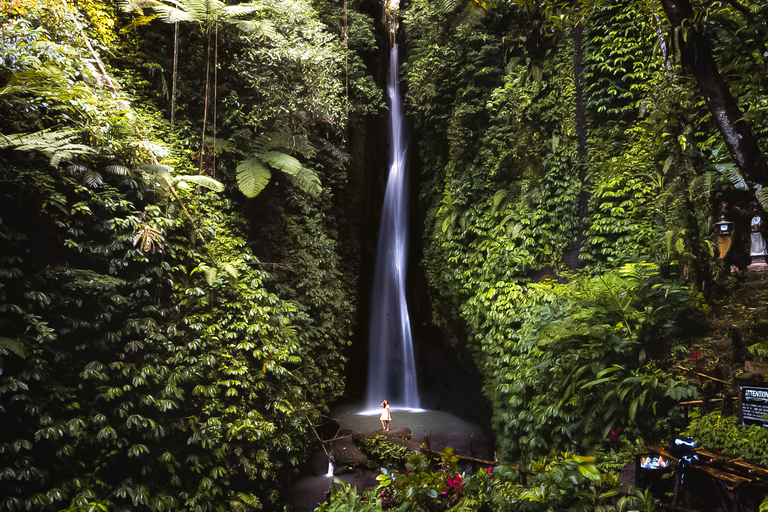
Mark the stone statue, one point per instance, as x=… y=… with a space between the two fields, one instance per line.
x=757 y=245
x=757 y=249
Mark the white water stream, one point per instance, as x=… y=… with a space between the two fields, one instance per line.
x=391 y=366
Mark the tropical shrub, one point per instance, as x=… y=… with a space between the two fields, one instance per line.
x=723 y=433
x=559 y=482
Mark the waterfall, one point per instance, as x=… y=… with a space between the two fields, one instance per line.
x=391 y=366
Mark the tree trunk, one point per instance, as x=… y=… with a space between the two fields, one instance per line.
x=698 y=57
x=207 y=93
x=175 y=71
x=571 y=255
x=215 y=86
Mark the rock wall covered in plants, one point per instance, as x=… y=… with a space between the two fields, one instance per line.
x=571 y=171
x=167 y=343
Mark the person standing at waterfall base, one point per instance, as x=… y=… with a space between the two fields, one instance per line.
x=385 y=417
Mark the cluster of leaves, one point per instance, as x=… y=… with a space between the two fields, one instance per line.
x=382 y=450
x=150 y=379
x=723 y=433
x=515 y=184
x=148 y=359
x=558 y=482
x=579 y=362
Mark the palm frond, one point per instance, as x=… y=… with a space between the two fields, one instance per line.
x=93 y=179
x=252 y=176
x=119 y=170
x=734 y=176
x=448 y=6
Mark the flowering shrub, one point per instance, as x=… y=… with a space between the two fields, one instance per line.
x=559 y=482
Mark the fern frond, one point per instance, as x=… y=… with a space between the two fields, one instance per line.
x=448 y=223
x=282 y=162
x=307 y=180
x=262 y=143
x=167 y=13
x=202 y=181
x=245 y=502
x=155 y=149
x=336 y=152
x=284 y=140
x=210 y=275
x=221 y=145
x=499 y=200
x=762 y=196
x=56 y=145
x=252 y=176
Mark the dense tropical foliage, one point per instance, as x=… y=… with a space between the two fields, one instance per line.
x=562 y=136
x=182 y=190
x=162 y=351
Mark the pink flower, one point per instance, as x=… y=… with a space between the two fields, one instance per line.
x=454 y=481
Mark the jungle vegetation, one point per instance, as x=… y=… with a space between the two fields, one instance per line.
x=180 y=204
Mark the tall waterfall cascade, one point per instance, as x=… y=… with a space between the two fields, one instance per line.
x=391 y=365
